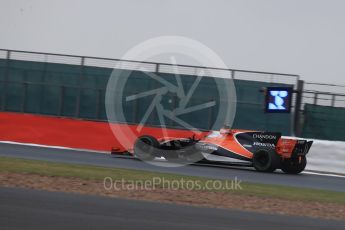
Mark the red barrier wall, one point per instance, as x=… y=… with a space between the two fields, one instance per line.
x=67 y=132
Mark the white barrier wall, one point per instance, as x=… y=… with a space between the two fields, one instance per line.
x=327 y=156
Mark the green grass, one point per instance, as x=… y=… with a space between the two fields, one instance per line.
x=17 y=165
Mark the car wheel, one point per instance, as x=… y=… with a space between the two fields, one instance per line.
x=172 y=156
x=266 y=160
x=294 y=166
x=145 y=147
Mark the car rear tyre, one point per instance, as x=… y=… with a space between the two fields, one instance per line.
x=266 y=160
x=145 y=147
x=294 y=166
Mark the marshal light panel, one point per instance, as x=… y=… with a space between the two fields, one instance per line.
x=278 y=99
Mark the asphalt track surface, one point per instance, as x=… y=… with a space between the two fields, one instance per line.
x=35 y=209
x=105 y=160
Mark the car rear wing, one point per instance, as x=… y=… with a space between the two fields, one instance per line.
x=302 y=147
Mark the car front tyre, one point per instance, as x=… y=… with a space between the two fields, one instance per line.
x=145 y=147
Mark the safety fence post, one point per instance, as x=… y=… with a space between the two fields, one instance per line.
x=81 y=76
x=4 y=90
x=298 y=104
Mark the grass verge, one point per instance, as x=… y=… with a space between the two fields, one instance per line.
x=16 y=165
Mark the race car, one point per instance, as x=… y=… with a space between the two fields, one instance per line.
x=265 y=151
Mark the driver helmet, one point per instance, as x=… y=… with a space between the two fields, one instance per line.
x=225 y=129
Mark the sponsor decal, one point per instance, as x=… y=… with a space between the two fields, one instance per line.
x=207 y=147
x=247 y=146
x=264 y=144
x=264 y=136
x=301 y=141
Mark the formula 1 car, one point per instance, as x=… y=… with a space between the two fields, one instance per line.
x=266 y=151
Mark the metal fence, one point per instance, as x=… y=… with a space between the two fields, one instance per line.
x=74 y=86
x=324 y=94
x=269 y=77
x=323 y=111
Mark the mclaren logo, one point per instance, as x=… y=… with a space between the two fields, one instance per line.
x=264 y=136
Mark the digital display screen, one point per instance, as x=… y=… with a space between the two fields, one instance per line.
x=278 y=99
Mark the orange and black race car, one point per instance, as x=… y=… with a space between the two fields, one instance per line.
x=266 y=151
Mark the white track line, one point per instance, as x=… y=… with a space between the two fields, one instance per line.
x=53 y=147
x=323 y=174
